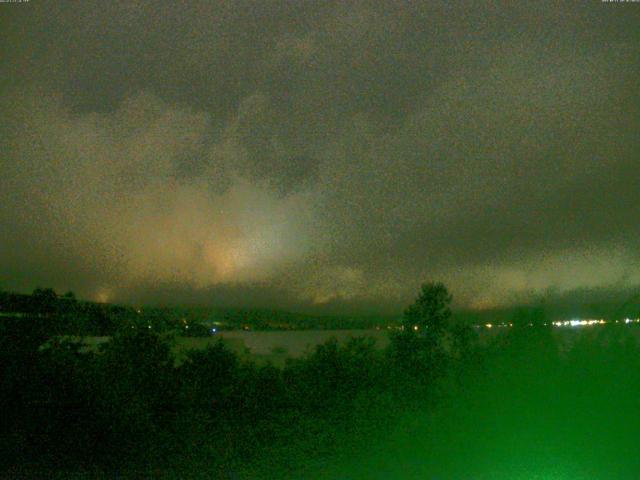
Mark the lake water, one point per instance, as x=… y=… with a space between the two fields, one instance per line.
x=277 y=345
x=297 y=342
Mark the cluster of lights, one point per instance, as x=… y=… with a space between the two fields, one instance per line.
x=578 y=323
x=492 y=325
x=499 y=325
x=582 y=323
x=566 y=323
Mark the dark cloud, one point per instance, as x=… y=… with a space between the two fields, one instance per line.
x=319 y=153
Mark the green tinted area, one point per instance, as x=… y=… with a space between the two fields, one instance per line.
x=530 y=412
x=527 y=403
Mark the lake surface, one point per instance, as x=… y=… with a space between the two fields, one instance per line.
x=297 y=342
x=276 y=345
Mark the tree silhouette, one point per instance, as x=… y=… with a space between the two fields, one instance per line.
x=70 y=296
x=44 y=300
x=431 y=310
x=423 y=348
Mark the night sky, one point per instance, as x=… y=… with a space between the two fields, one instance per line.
x=319 y=155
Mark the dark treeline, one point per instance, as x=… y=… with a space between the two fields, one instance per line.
x=130 y=410
x=129 y=407
x=77 y=317
x=56 y=314
x=274 y=319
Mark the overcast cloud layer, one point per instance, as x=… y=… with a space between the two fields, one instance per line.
x=310 y=154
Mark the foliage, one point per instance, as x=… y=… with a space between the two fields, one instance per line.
x=44 y=299
x=430 y=342
x=431 y=310
x=129 y=405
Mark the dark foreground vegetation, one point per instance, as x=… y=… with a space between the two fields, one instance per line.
x=435 y=404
